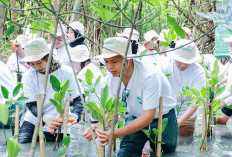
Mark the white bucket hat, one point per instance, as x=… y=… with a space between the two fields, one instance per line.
x=78 y=26
x=35 y=50
x=115 y=44
x=59 y=30
x=187 y=30
x=126 y=33
x=187 y=54
x=228 y=41
x=79 y=53
x=22 y=40
x=150 y=35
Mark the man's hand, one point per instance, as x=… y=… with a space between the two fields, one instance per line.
x=87 y=133
x=104 y=136
x=52 y=122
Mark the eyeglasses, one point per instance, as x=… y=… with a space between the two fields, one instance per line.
x=125 y=94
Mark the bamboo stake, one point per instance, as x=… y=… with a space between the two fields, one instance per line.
x=158 y=152
x=204 y=126
x=39 y=116
x=41 y=135
x=119 y=84
x=101 y=127
x=210 y=117
x=16 y=122
x=66 y=122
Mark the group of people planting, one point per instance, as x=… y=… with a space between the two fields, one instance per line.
x=146 y=77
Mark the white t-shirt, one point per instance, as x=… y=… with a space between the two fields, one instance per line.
x=209 y=62
x=33 y=84
x=12 y=64
x=7 y=80
x=61 y=55
x=154 y=59
x=146 y=86
x=194 y=76
x=96 y=73
x=227 y=95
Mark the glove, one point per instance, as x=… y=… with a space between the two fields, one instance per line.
x=72 y=118
x=52 y=122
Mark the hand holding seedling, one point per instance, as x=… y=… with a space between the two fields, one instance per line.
x=87 y=133
x=52 y=122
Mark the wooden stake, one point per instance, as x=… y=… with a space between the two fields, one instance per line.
x=66 y=119
x=204 y=126
x=41 y=135
x=101 y=127
x=16 y=122
x=158 y=152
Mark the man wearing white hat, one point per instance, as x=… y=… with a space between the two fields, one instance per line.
x=184 y=69
x=226 y=96
x=17 y=68
x=81 y=62
x=36 y=54
x=139 y=82
x=134 y=38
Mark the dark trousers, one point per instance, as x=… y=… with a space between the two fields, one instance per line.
x=26 y=132
x=133 y=144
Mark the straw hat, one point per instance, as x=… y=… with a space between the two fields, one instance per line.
x=187 y=54
x=22 y=40
x=35 y=50
x=228 y=41
x=115 y=44
x=150 y=35
x=78 y=26
x=126 y=33
x=79 y=53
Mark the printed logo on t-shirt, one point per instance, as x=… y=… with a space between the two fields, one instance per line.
x=185 y=88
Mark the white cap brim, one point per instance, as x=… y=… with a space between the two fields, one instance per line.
x=33 y=58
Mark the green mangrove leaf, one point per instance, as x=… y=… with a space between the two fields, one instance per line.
x=120 y=124
x=16 y=90
x=167 y=75
x=66 y=140
x=89 y=77
x=104 y=96
x=10 y=30
x=86 y=92
x=156 y=132
x=13 y=147
x=22 y=98
x=5 y=92
x=97 y=80
x=54 y=102
x=156 y=2
x=215 y=105
x=220 y=90
x=229 y=107
x=179 y=31
x=59 y=109
x=216 y=68
x=95 y=110
x=7 y=2
x=58 y=96
x=64 y=85
x=92 y=90
x=4 y=113
x=55 y=83
x=121 y=109
x=203 y=92
x=146 y=132
x=109 y=104
x=195 y=91
x=164 y=124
